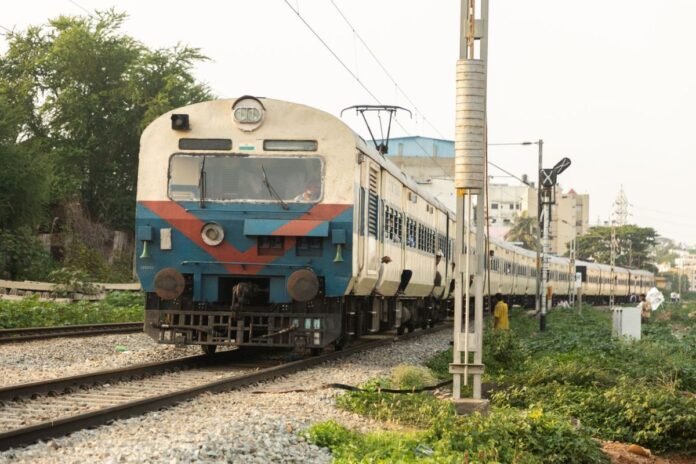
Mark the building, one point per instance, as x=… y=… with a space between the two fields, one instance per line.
x=431 y=163
x=423 y=158
x=685 y=264
x=570 y=218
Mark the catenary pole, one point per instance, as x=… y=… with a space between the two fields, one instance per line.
x=537 y=299
x=470 y=162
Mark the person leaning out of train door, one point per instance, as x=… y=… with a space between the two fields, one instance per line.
x=381 y=274
x=645 y=309
x=500 y=314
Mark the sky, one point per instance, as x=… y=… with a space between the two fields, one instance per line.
x=610 y=85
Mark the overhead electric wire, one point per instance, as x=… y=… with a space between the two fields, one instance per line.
x=386 y=72
x=364 y=86
x=323 y=42
x=80 y=7
x=508 y=173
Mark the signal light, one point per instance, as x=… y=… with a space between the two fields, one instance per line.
x=180 y=122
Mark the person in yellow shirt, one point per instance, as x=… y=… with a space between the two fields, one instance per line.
x=500 y=314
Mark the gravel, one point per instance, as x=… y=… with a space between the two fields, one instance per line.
x=60 y=357
x=241 y=426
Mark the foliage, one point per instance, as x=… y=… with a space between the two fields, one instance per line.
x=552 y=392
x=505 y=435
x=24 y=182
x=631 y=391
x=664 y=251
x=77 y=93
x=502 y=350
x=22 y=256
x=525 y=229
x=634 y=246
x=415 y=409
x=673 y=280
x=30 y=312
x=72 y=281
x=407 y=377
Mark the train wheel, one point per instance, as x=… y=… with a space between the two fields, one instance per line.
x=340 y=344
x=400 y=330
x=208 y=349
x=316 y=351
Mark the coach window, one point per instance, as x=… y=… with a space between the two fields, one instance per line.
x=410 y=232
x=245 y=178
x=184 y=177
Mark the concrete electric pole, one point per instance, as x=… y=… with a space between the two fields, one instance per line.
x=470 y=179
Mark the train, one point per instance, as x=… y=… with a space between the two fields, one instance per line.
x=267 y=223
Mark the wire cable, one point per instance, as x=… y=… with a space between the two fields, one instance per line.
x=355 y=76
x=386 y=71
x=81 y=7
x=323 y=42
x=364 y=86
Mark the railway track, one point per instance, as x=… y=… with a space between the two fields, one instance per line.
x=41 y=333
x=43 y=410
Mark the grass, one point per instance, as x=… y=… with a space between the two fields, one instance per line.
x=30 y=312
x=555 y=393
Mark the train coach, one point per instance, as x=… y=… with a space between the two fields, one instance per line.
x=262 y=222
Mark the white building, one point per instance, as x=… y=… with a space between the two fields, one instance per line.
x=431 y=163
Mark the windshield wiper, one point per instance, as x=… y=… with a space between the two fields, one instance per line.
x=271 y=190
x=201 y=185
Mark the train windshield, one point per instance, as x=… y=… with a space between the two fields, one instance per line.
x=245 y=178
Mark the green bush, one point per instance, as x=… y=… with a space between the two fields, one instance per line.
x=505 y=435
x=417 y=409
x=407 y=377
x=502 y=351
x=70 y=280
x=555 y=393
x=439 y=364
x=22 y=256
x=640 y=391
x=30 y=312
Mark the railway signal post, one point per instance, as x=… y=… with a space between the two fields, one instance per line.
x=547 y=188
x=470 y=178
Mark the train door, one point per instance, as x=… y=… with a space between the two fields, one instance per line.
x=371 y=179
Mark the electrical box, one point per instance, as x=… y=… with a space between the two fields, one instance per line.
x=626 y=323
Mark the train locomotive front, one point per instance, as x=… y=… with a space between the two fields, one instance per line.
x=244 y=224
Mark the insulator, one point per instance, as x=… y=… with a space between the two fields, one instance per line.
x=470 y=137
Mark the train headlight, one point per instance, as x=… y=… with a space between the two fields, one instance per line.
x=212 y=234
x=248 y=113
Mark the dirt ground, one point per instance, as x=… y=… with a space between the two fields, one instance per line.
x=620 y=454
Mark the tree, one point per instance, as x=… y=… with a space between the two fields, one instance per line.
x=87 y=92
x=664 y=251
x=633 y=246
x=524 y=230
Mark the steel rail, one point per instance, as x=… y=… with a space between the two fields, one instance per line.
x=65 y=425
x=41 y=333
x=67 y=384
